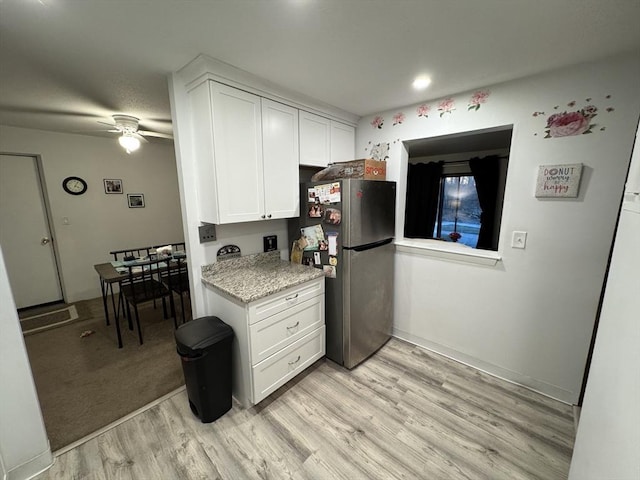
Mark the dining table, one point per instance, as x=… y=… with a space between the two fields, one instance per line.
x=114 y=273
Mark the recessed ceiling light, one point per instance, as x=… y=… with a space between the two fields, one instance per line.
x=421 y=82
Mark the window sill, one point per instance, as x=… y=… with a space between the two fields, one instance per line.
x=448 y=251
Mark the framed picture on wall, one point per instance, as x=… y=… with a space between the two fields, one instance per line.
x=112 y=185
x=135 y=200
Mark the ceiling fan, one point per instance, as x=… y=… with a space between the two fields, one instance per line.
x=131 y=136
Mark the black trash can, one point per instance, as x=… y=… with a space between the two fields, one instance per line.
x=204 y=346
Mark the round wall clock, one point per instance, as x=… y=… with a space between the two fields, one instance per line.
x=74 y=185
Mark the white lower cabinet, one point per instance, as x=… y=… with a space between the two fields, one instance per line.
x=272 y=334
x=281 y=367
x=276 y=337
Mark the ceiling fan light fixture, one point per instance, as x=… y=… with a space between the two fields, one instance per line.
x=129 y=142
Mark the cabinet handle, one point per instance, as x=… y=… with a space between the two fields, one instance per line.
x=262 y=216
x=291 y=364
x=294 y=326
x=288 y=299
x=269 y=216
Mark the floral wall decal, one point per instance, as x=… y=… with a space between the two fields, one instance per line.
x=380 y=151
x=477 y=99
x=566 y=124
x=570 y=123
x=398 y=118
x=377 y=122
x=423 y=110
x=446 y=106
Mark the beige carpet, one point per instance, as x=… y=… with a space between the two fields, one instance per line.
x=85 y=382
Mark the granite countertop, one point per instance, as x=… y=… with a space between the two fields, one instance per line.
x=253 y=277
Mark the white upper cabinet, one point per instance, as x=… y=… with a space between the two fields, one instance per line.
x=315 y=140
x=324 y=141
x=237 y=143
x=280 y=160
x=343 y=141
x=246 y=152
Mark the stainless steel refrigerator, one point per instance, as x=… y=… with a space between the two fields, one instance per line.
x=346 y=228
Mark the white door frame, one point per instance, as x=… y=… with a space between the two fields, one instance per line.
x=47 y=212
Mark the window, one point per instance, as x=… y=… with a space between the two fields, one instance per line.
x=456 y=201
x=458 y=217
x=454 y=196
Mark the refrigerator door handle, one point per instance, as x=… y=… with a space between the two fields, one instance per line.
x=369 y=246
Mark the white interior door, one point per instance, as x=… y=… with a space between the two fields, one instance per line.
x=24 y=233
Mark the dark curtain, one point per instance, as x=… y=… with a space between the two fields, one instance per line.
x=486 y=172
x=423 y=188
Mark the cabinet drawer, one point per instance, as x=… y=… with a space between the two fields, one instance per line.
x=276 y=303
x=277 y=331
x=278 y=369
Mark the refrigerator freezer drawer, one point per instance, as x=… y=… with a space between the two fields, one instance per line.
x=276 y=332
x=278 y=369
x=368 y=302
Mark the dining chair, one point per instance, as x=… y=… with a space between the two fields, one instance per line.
x=131 y=253
x=144 y=285
x=176 y=279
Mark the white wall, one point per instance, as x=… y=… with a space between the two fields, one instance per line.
x=530 y=317
x=24 y=447
x=99 y=223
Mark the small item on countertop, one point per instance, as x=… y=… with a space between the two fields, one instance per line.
x=296 y=252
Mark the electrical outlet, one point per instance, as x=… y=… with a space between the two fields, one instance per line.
x=207 y=233
x=270 y=243
x=519 y=240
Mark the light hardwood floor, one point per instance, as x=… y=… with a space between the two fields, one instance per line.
x=406 y=413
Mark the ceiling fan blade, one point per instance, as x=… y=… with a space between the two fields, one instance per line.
x=107 y=124
x=155 y=134
x=139 y=137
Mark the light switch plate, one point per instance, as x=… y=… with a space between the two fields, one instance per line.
x=519 y=239
x=207 y=233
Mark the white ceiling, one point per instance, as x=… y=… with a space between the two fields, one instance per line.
x=65 y=64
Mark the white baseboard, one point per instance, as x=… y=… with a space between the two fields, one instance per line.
x=32 y=467
x=537 y=386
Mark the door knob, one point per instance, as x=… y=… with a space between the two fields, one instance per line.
x=45 y=240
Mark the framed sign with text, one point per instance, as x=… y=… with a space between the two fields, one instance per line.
x=559 y=180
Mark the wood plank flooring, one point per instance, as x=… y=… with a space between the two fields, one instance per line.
x=406 y=413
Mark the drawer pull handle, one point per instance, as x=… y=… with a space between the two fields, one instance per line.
x=294 y=326
x=288 y=299
x=291 y=364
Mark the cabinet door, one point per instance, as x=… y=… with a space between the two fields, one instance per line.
x=280 y=160
x=343 y=140
x=315 y=140
x=237 y=140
